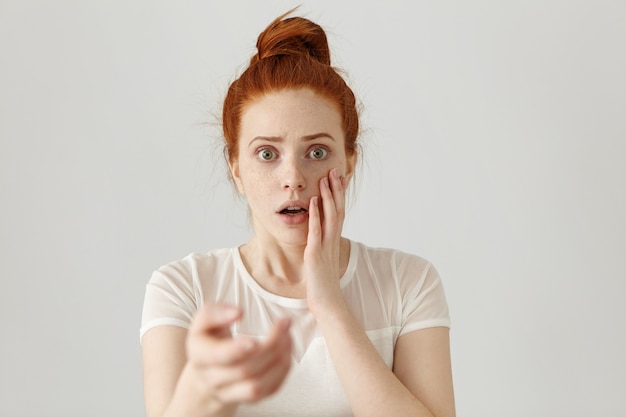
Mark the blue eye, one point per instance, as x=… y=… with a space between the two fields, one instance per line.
x=318 y=153
x=266 y=154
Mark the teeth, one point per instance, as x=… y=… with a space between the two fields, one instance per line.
x=293 y=210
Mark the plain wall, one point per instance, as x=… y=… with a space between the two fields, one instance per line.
x=494 y=146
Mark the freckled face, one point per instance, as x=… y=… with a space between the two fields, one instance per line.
x=288 y=141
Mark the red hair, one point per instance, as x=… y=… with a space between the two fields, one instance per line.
x=292 y=53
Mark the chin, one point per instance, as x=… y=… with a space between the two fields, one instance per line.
x=295 y=241
x=285 y=235
x=293 y=237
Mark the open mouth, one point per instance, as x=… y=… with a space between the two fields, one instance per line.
x=293 y=211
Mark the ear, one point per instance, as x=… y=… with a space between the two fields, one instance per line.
x=350 y=165
x=234 y=172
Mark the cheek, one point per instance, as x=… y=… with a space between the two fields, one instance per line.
x=324 y=171
x=255 y=182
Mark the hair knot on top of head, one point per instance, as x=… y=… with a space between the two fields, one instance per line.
x=294 y=36
x=293 y=53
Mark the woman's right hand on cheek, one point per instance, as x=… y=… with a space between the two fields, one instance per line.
x=232 y=371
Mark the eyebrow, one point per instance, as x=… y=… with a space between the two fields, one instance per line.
x=304 y=138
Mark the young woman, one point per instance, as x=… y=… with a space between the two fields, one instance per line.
x=299 y=321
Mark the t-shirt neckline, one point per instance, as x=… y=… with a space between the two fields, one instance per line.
x=286 y=301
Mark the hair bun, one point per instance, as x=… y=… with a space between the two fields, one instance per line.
x=292 y=54
x=293 y=36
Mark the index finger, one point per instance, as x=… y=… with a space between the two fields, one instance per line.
x=215 y=319
x=209 y=341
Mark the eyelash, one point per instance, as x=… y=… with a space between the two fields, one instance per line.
x=261 y=150
x=308 y=153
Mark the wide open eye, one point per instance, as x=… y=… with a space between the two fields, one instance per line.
x=318 y=153
x=266 y=154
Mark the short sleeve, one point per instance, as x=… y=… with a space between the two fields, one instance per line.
x=169 y=298
x=424 y=302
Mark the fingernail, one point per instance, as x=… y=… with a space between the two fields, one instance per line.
x=229 y=314
x=325 y=181
x=335 y=172
x=248 y=344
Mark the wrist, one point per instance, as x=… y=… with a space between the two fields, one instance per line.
x=329 y=308
x=192 y=398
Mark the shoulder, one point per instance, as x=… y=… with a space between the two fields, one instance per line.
x=398 y=260
x=177 y=289
x=195 y=261
x=402 y=283
x=406 y=272
x=195 y=270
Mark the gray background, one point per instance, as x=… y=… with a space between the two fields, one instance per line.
x=495 y=139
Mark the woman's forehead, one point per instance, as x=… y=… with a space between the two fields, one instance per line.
x=291 y=113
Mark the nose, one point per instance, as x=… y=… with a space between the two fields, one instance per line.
x=292 y=175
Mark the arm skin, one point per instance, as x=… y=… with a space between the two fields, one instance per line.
x=421 y=382
x=419 y=385
x=204 y=372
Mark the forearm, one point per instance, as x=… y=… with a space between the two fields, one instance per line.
x=190 y=399
x=371 y=387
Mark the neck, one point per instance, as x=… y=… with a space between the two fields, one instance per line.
x=278 y=268
x=271 y=260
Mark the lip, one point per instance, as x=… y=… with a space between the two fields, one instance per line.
x=293 y=203
x=293 y=219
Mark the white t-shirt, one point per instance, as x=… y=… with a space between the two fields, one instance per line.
x=389 y=292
